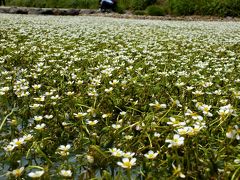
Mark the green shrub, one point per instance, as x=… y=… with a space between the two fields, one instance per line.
x=139 y=12
x=217 y=7
x=155 y=10
x=15 y=3
x=141 y=4
x=125 y=4
x=204 y=7
x=182 y=7
x=41 y=4
x=85 y=4
x=52 y=3
x=120 y=9
x=231 y=8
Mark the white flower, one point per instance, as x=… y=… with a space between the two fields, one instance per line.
x=233 y=133
x=92 y=111
x=79 y=82
x=198 y=93
x=237 y=161
x=69 y=93
x=177 y=103
x=106 y=115
x=196 y=128
x=226 y=110
x=127 y=163
x=237 y=94
x=189 y=88
x=9 y=148
x=79 y=115
x=205 y=109
x=194 y=115
x=179 y=84
x=90 y=159
x=198 y=105
x=36 y=174
x=177 y=171
x=92 y=123
x=223 y=101
x=123 y=113
x=35 y=106
x=4 y=89
x=116 y=126
x=27 y=137
x=63 y=153
x=18 y=142
x=38 y=118
x=40 y=126
x=151 y=155
x=93 y=92
x=36 y=86
x=114 y=82
x=65 y=123
x=157 y=105
x=184 y=130
x=66 y=173
x=174 y=122
x=156 y=134
x=217 y=92
x=223 y=113
x=128 y=154
x=176 y=141
x=64 y=148
x=40 y=99
x=116 y=152
x=18 y=172
x=48 y=116
x=48 y=93
x=55 y=97
x=109 y=90
x=22 y=93
x=128 y=137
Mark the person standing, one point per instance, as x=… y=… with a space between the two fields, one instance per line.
x=106 y=5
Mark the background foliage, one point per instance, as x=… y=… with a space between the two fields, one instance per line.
x=173 y=7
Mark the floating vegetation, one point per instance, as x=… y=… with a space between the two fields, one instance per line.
x=94 y=97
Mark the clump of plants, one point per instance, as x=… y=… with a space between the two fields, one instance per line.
x=155 y=10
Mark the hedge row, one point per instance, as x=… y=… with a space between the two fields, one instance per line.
x=157 y=7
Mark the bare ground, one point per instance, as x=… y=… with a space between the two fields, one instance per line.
x=94 y=12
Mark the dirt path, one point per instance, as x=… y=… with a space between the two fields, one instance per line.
x=129 y=15
x=94 y=12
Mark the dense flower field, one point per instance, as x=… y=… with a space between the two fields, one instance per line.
x=95 y=97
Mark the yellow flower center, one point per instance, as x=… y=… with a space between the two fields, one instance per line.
x=17 y=172
x=206 y=109
x=19 y=143
x=127 y=164
x=150 y=156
